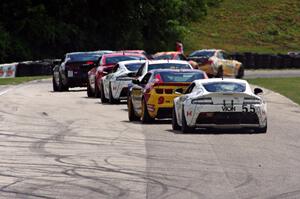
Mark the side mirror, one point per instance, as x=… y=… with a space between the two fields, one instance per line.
x=131 y=74
x=257 y=91
x=179 y=91
x=136 y=81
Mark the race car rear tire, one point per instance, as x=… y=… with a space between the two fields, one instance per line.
x=261 y=130
x=175 y=125
x=97 y=93
x=103 y=99
x=145 y=117
x=55 y=87
x=131 y=113
x=111 y=98
x=220 y=72
x=241 y=72
x=185 y=128
x=89 y=91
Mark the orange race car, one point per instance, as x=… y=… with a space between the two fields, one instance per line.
x=217 y=63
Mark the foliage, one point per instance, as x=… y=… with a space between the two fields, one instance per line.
x=35 y=29
x=20 y=80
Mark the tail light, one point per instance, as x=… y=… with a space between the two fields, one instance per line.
x=210 y=62
x=161 y=100
x=168 y=91
x=159 y=91
x=202 y=101
x=89 y=62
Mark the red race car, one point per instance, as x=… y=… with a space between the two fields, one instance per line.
x=105 y=66
x=172 y=55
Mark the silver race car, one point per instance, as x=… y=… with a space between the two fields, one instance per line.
x=219 y=103
x=115 y=84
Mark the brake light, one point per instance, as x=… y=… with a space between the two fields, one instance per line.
x=159 y=91
x=89 y=62
x=210 y=62
x=168 y=91
x=161 y=100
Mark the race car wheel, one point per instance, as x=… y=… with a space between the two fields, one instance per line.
x=175 y=125
x=241 y=72
x=89 y=91
x=97 y=93
x=55 y=87
x=131 y=113
x=60 y=84
x=185 y=128
x=111 y=98
x=145 y=117
x=103 y=99
x=220 y=72
x=261 y=130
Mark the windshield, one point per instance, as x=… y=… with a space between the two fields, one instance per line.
x=82 y=57
x=202 y=54
x=133 y=67
x=168 y=66
x=170 y=56
x=116 y=59
x=225 y=87
x=171 y=76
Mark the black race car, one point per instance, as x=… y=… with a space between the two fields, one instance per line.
x=73 y=68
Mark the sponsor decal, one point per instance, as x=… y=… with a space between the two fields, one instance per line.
x=189 y=113
x=228 y=107
x=8 y=70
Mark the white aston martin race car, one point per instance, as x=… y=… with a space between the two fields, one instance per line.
x=115 y=84
x=219 y=103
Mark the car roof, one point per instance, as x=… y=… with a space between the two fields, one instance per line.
x=124 y=54
x=150 y=62
x=177 y=70
x=167 y=53
x=90 y=52
x=212 y=80
x=131 y=62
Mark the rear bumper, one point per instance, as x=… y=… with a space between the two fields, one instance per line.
x=227 y=120
x=212 y=117
x=77 y=81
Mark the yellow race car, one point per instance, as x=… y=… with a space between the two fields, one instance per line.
x=152 y=97
x=217 y=63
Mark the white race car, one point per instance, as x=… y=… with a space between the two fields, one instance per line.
x=115 y=84
x=219 y=103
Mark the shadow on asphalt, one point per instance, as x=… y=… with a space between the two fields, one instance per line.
x=213 y=131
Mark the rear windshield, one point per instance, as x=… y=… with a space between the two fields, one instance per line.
x=116 y=59
x=202 y=54
x=81 y=57
x=171 y=76
x=133 y=67
x=168 y=66
x=225 y=87
x=164 y=57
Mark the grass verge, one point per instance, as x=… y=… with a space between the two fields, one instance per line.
x=20 y=80
x=263 y=26
x=289 y=87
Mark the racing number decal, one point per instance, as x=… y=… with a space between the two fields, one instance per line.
x=249 y=108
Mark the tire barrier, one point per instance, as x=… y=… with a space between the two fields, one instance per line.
x=267 y=61
x=35 y=68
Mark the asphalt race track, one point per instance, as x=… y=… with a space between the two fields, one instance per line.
x=65 y=145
